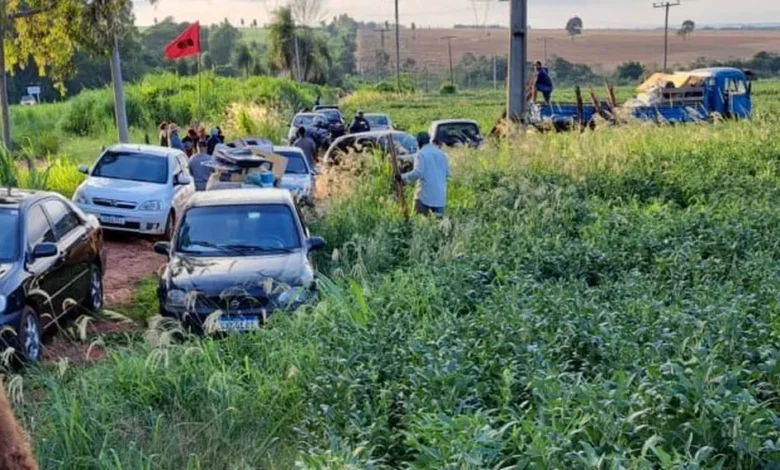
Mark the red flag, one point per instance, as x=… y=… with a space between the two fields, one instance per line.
x=187 y=44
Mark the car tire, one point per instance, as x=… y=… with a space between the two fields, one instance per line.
x=170 y=226
x=29 y=338
x=93 y=301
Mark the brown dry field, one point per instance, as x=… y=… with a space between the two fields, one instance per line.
x=603 y=50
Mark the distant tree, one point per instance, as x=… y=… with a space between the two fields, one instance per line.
x=574 y=27
x=242 y=58
x=281 y=40
x=257 y=68
x=630 y=71
x=414 y=31
x=222 y=42
x=382 y=59
x=242 y=22
x=307 y=12
x=155 y=20
x=686 y=29
x=409 y=65
x=205 y=60
x=254 y=23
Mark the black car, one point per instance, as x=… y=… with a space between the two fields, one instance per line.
x=51 y=264
x=336 y=124
x=242 y=254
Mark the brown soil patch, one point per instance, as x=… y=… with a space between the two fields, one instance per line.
x=129 y=261
x=601 y=49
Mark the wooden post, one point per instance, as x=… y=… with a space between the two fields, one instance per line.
x=399 y=186
x=580 y=108
x=610 y=98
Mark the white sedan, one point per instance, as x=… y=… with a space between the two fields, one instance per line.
x=137 y=188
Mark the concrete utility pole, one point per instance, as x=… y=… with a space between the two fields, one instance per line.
x=120 y=110
x=666 y=5
x=397 y=49
x=518 y=58
x=449 y=49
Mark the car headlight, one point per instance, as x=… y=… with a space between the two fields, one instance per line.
x=294 y=296
x=81 y=197
x=151 y=206
x=3 y=303
x=176 y=298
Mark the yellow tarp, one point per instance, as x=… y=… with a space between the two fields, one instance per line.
x=660 y=80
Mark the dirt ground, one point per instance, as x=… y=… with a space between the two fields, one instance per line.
x=602 y=49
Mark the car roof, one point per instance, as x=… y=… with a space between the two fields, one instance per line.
x=454 y=121
x=288 y=149
x=314 y=114
x=22 y=198
x=715 y=71
x=321 y=107
x=153 y=150
x=241 y=197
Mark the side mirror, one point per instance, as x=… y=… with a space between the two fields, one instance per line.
x=162 y=248
x=183 y=180
x=45 y=250
x=83 y=169
x=316 y=243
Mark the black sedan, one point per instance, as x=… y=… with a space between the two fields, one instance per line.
x=51 y=265
x=237 y=257
x=336 y=124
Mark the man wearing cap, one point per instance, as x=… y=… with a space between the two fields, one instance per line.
x=359 y=124
x=200 y=173
x=431 y=171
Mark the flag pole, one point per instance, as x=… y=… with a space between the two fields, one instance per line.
x=200 y=86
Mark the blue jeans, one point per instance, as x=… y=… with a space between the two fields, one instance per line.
x=422 y=209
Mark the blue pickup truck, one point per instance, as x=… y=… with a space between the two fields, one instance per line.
x=681 y=97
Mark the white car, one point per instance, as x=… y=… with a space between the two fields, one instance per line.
x=28 y=100
x=299 y=175
x=137 y=188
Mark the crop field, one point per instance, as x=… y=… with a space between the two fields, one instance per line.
x=598 y=300
x=603 y=50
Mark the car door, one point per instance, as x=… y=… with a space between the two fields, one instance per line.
x=49 y=275
x=73 y=242
x=181 y=192
x=739 y=98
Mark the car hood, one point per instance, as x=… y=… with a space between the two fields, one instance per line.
x=213 y=276
x=299 y=182
x=125 y=190
x=5 y=268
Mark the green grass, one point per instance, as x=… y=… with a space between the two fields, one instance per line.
x=607 y=299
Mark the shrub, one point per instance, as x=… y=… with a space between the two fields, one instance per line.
x=448 y=89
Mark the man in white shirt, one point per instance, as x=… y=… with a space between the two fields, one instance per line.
x=431 y=171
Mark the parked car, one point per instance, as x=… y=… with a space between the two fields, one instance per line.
x=456 y=133
x=28 y=100
x=379 y=122
x=299 y=176
x=336 y=124
x=405 y=144
x=316 y=127
x=245 y=253
x=51 y=264
x=137 y=188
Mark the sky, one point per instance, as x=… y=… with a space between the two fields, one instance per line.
x=541 y=14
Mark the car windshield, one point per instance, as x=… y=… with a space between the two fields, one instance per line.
x=238 y=230
x=9 y=234
x=377 y=121
x=407 y=142
x=296 y=163
x=331 y=115
x=458 y=132
x=133 y=167
x=304 y=120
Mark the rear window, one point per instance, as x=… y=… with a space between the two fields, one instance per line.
x=9 y=234
x=377 y=121
x=457 y=132
x=331 y=115
x=296 y=163
x=132 y=167
x=304 y=121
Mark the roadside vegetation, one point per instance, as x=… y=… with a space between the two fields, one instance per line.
x=606 y=299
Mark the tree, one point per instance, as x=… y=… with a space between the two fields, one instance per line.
x=574 y=27
x=222 y=42
x=307 y=12
x=242 y=22
x=382 y=59
x=686 y=29
x=281 y=40
x=414 y=31
x=409 y=65
x=155 y=20
x=630 y=71
x=242 y=58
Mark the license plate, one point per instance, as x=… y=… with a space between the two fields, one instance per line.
x=113 y=220
x=239 y=324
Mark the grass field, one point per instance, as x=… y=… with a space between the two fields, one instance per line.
x=604 y=50
x=597 y=300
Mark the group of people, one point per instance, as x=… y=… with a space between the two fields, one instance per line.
x=192 y=140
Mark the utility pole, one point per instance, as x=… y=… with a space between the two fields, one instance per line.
x=495 y=74
x=449 y=49
x=397 y=49
x=666 y=5
x=544 y=40
x=518 y=58
x=120 y=111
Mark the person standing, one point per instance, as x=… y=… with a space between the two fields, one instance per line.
x=359 y=124
x=544 y=83
x=307 y=145
x=164 y=134
x=213 y=141
x=317 y=101
x=175 y=140
x=200 y=173
x=431 y=172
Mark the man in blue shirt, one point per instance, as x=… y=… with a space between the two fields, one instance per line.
x=544 y=83
x=431 y=171
x=200 y=173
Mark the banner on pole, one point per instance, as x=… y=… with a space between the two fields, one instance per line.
x=186 y=45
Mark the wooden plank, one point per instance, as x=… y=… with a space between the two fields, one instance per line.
x=580 y=108
x=399 y=185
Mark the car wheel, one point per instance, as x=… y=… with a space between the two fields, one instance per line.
x=94 y=299
x=170 y=226
x=30 y=343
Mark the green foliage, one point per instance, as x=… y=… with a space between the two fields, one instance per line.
x=223 y=39
x=630 y=71
x=448 y=89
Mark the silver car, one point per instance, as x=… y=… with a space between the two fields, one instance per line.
x=299 y=176
x=379 y=122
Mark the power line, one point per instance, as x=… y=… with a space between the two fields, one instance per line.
x=666 y=5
